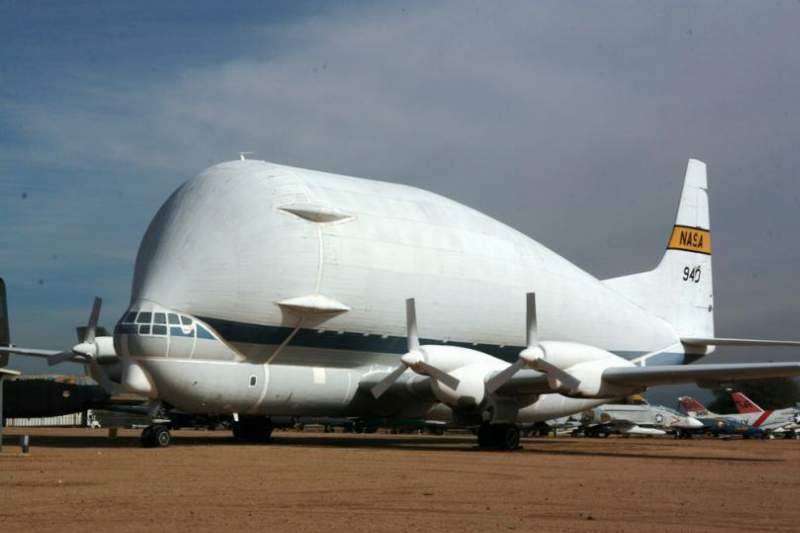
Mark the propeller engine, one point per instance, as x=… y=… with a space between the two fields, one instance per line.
x=456 y=374
x=415 y=358
x=572 y=369
x=91 y=348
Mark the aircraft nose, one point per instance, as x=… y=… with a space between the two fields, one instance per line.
x=693 y=423
x=688 y=423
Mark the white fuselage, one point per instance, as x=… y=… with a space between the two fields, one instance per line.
x=300 y=278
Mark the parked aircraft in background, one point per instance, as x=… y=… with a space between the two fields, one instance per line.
x=717 y=424
x=41 y=396
x=784 y=422
x=638 y=418
x=264 y=290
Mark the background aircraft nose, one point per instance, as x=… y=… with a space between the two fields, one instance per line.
x=688 y=423
x=693 y=423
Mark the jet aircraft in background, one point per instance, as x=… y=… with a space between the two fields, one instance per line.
x=719 y=424
x=637 y=418
x=263 y=290
x=779 y=421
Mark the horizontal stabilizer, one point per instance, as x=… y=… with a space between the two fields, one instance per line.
x=673 y=374
x=695 y=341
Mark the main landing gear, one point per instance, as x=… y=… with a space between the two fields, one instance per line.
x=252 y=428
x=498 y=437
x=156 y=436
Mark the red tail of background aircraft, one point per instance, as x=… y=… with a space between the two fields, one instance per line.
x=744 y=404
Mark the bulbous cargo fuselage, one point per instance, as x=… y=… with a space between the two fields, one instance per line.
x=300 y=276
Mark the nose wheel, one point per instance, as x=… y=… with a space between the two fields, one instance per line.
x=156 y=436
x=504 y=437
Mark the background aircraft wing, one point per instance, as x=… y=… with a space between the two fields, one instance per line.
x=673 y=374
x=34 y=352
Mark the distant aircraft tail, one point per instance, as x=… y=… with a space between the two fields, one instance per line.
x=692 y=407
x=5 y=335
x=744 y=404
x=680 y=288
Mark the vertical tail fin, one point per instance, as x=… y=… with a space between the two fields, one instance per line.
x=744 y=404
x=680 y=288
x=5 y=335
x=692 y=407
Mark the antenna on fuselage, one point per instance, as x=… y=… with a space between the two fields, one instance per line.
x=243 y=154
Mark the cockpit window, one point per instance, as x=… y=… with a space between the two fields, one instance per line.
x=159 y=330
x=173 y=319
x=203 y=333
x=159 y=318
x=144 y=329
x=177 y=331
x=144 y=318
x=130 y=317
x=186 y=321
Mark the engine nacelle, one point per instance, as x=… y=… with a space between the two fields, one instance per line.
x=470 y=392
x=567 y=354
x=106 y=354
x=586 y=364
x=590 y=380
x=469 y=367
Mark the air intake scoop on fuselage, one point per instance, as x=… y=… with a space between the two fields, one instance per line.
x=316 y=212
x=314 y=303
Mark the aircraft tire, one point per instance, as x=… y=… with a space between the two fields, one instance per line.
x=161 y=437
x=504 y=437
x=507 y=437
x=146 y=438
x=485 y=436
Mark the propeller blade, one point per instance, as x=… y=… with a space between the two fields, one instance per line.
x=383 y=385
x=60 y=357
x=91 y=327
x=552 y=371
x=438 y=375
x=100 y=376
x=411 y=325
x=531 y=326
x=504 y=376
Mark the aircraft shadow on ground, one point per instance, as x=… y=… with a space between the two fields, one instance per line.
x=445 y=444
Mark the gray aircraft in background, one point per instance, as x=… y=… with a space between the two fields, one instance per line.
x=636 y=418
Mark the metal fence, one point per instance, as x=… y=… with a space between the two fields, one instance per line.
x=75 y=419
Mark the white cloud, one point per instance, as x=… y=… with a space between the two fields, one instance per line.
x=572 y=123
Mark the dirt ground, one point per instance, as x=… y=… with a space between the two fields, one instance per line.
x=79 y=479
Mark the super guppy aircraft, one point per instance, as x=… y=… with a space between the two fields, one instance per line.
x=264 y=290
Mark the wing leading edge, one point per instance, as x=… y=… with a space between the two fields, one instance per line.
x=674 y=374
x=696 y=341
x=529 y=382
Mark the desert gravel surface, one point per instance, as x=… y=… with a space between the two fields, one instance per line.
x=79 y=479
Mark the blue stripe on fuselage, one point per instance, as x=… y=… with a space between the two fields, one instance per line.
x=240 y=332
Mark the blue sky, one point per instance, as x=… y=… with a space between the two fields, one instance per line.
x=75 y=219
x=570 y=121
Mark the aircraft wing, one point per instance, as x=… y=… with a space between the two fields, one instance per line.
x=530 y=382
x=672 y=374
x=697 y=341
